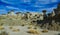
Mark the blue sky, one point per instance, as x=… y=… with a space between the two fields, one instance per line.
x=27 y=5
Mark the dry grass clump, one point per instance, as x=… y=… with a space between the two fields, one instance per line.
x=1 y=27
x=10 y=27
x=29 y=27
x=50 y=26
x=1 y=24
x=32 y=31
x=15 y=30
x=35 y=28
x=45 y=31
x=4 y=33
x=23 y=25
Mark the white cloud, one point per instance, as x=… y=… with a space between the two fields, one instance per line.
x=37 y=5
x=26 y=0
x=10 y=7
x=43 y=2
x=6 y=2
x=54 y=0
x=11 y=1
x=2 y=10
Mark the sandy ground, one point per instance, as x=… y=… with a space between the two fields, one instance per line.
x=24 y=29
